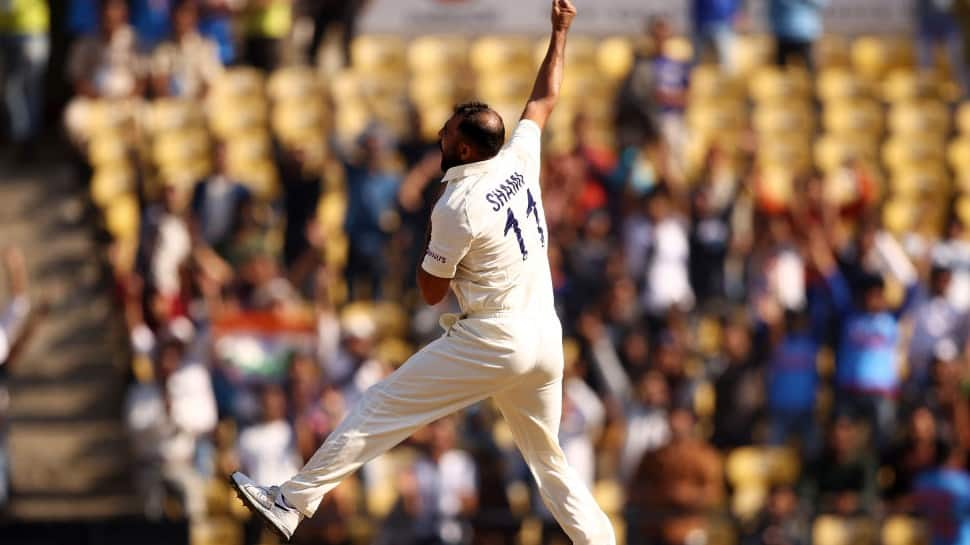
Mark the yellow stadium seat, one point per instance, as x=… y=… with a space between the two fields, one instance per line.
x=345 y=87
x=180 y=146
x=216 y=531
x=109 y=183
x=870 y=57
x=915 y=180
x=392 y=319
x=169 y=114
x=614 y=57
x=293 y=83
x=239 y=82
x=504 y=88
x=716 y=116
x=394 y=351
x=903 y=530
x=86 y=117
x=292 y=119
x=771 y=84
x=709 y=82
x=762 y=466
x=900 y=151
x=832 y=530
x=839 y=83
x=784 y=117
x=679 y=48
x=433 y=89
x=436 y=54
x=963 y=210
x=832 y=50
x=791 y=151
x=958 y=154
x=833 y=150
x=491 y=54
x=229 y=117
x=581 y=52
x=858 y=116
x=122 y=216
x=963 y=118
x=332 y=211
x=609 y=495
x=260 y=176
x=905 y=84
x=247 y=147
x=107 y=148
x=704 y=400
x=350 y=120
x=753 y=51
x=379 y=54
x=433 y=118
x=748 y=500
x=899 y=215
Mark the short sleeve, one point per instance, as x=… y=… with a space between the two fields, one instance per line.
x=527 y=141
x=451 y=237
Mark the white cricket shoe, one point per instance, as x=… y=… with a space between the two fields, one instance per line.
x=268 y=504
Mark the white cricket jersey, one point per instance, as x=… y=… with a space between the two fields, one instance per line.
x=488 y=230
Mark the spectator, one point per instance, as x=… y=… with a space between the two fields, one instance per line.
x=667 y=280
x=371 y=212
x=328 y=14
x=942 y=494
x=82 y=18
x=779 y=523
x=739 y=389
x=24 y=51
x=152 y=21
x=867 y=370
x=268 y=449
x=186 y=63
x=937 y=27
x=792 y=381
x=671 y=77
x=170 y=417
x=936 y=323
x=219 y=204
x=14 y=324
x=842 y=480
x=710 y=239
x=916 y=452
x=165 y=248
x=107 y=64
x=796 y=25
x=439 y=491
x=266 y=26
x=674 y=487
x=647 y=426
x=713 y=22
x=215 y=23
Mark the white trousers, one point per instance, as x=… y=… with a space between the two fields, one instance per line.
x=515 y=359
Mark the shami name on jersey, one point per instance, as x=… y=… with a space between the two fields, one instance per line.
x=501 y=195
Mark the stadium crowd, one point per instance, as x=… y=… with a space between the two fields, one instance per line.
x=740 y=368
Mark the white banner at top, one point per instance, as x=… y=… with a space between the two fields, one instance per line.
x=600 y=17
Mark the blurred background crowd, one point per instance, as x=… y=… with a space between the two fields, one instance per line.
x=760 y=244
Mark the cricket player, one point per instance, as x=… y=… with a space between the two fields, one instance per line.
x=487 y=242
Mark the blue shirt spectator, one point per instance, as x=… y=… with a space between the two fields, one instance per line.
x=216 y=25
x=943 y=495
x=797 y=20
x=82 y=17
x=707 y=13
x=152 y=20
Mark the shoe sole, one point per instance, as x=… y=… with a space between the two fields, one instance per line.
x=256 y=511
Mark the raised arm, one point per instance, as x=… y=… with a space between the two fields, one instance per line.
x=545 y=93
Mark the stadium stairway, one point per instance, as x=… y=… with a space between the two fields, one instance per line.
x=67 y=448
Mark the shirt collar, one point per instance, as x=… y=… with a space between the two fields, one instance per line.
x=471 y=169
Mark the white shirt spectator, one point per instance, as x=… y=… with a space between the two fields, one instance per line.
x=646 y=430
x=267 y=452
x=667 y=282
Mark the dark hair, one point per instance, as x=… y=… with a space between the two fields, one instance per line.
x=481 y=126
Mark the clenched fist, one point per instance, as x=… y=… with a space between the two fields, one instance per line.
x=563 y=13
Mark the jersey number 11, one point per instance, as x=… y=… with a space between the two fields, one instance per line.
x=512 y=224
